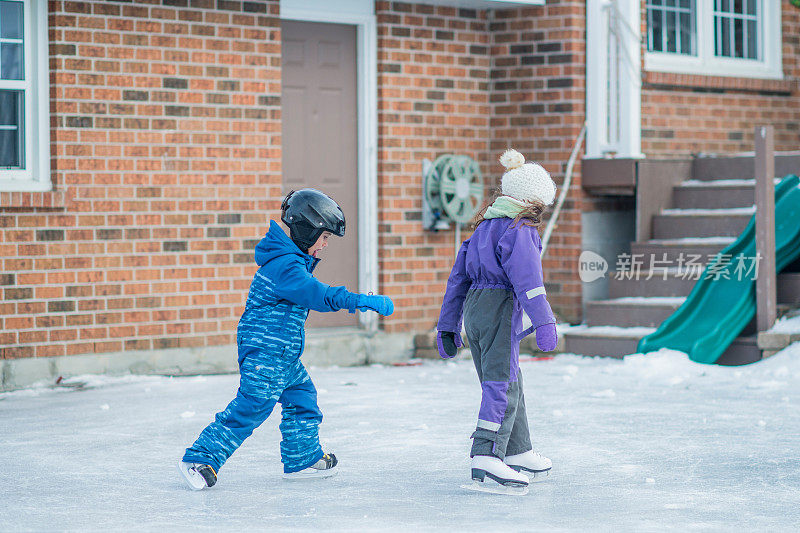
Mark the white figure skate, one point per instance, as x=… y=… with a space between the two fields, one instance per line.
x=502 y=479
x=532 y=463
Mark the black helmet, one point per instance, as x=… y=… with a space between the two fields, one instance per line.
x=309 y=213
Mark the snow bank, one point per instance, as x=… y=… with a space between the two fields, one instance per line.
x=786 y=325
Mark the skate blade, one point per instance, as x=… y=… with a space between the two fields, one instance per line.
x=195 y=482
x=534 y=476
x=538 y=477
x=316 y=474
x=496 y=488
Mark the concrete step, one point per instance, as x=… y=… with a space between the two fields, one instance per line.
x=694 y=194
x=675 y=249
x=631 y=312
x=742 y=351
x=700 y=223
x=780 y=336
x=605 y=341
x=741 y=166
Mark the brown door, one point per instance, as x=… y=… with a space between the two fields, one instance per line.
x=320 y=138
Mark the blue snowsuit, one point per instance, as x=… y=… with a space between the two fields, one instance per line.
x=270 y=339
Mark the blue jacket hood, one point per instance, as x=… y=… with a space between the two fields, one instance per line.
x=276 y=244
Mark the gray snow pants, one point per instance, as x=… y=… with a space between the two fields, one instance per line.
x=491 y=316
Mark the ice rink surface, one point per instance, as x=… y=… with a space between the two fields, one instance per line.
x=650 y=443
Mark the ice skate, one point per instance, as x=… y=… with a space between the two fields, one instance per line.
x=532 y=463
x=501 y=478
x=197 y=476
x=325 y=467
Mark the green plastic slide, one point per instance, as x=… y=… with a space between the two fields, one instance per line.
x=723 y=301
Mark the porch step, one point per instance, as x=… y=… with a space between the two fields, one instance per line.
x=604 y=341
x=708 y=214
x=675 y=249
x=720 y=193
x=702 y=223
x=607 y=341
x=631 y=312
x=742 y=351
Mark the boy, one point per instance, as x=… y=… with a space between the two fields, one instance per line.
x=270 y=339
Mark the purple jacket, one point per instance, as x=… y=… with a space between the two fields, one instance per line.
x=498 y=256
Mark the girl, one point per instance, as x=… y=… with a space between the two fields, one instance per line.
x=497 y=275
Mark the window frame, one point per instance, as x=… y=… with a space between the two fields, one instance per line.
x=769 y=66
x=36 y=86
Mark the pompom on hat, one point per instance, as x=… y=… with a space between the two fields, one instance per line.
x=528 y=182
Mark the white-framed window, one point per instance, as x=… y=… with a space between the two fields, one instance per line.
x=24 y=96
x=740 y=38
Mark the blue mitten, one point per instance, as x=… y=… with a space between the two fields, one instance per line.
x=448 y=344
x=546 y=337
x=375 y=302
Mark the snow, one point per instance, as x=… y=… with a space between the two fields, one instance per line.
x=711 y=212
x=611 y=331
x=786 y=325
x=694 y=240
x=719 y=183
x=647 y=300
x=649 y=443
x=723 y=183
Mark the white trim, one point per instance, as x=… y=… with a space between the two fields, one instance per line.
x=770 y=66
x=491 y=426
x=533 y=293
x=613 y=80
x=630 y=84
x=361 y=14
x=36 y=175
x=595 y=78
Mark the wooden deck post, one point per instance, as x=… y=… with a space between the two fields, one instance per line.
x=765 y=227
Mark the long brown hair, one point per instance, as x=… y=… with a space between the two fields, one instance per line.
x=531 y=215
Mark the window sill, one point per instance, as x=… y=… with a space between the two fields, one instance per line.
x=671 y=80
x=33 y=199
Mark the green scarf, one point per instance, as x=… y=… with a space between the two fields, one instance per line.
x=504 y=206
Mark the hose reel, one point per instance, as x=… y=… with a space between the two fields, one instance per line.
x=453 y=187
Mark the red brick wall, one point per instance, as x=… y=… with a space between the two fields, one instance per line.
x=474 y=82
x=686 y=114
x=538 y=107
x=433 y=74
x=166 y=162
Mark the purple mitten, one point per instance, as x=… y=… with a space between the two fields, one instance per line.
x=546 y=337
x=448 y=344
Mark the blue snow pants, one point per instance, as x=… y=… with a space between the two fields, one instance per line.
x=265 y=379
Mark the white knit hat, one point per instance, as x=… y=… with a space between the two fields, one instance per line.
x=528 y=182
